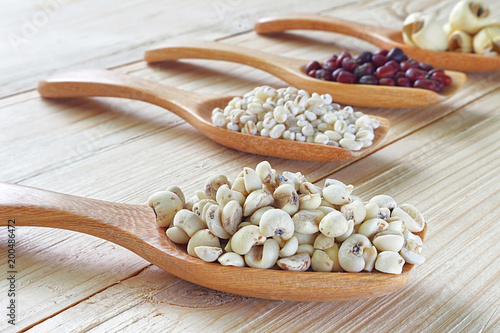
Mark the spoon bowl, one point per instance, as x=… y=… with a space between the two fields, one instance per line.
x=196 y=109
x=382 y=37
x=134 y=227
x=291 y=70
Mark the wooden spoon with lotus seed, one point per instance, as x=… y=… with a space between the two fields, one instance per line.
x=382 y=37
x=196 y=109
x=134 y=227
x=291 y=70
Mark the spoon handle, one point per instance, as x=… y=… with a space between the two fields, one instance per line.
x=27 y=206
x=280 y=66
x=373 y=34
x=131 y=226
x=104 y=83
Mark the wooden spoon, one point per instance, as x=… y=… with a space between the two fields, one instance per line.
x=196 y=109
x=291 y=70
x=382 y=37
x=134 y=227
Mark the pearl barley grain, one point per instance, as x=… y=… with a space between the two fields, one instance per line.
x=293 y=114
x=264 y=219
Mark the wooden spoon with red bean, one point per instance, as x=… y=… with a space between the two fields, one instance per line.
x=292 y=71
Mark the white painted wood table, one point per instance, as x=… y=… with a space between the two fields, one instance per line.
x=444 y=159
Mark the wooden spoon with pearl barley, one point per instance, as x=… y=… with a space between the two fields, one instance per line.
x=382 y=37
x=291 y=70
x=134 y=228
x=196 y=109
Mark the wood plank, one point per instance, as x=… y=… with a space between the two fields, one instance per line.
x=457 y=288
x=113 y=191
x=114 y=123
x=243 y=78
x=47 y=282
x=52 y=145
x=58 y=32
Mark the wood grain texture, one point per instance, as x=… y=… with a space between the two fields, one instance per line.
x=60 y=35
x=46 y=283
x=122 y=151
x=291 y=70
x=434 y=299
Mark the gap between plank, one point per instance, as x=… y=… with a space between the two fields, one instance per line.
x=444 y=115
x=86 y=298
x=312 y=179
x=239 y=33
x=147 y=266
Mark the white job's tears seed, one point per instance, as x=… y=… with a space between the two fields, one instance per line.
x=264 y=219
x=279 y=113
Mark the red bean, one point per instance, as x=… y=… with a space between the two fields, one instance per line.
x=342 y=56
x=386 y=81
x=312 y=73
x=441 y=76
x=332 y=58
x=349 y=64
x=336 y=73
x=364 y=69
x=415 y=74
x=407 y=64
x=397 y=54
x=330 y=65
x=383 y=52
x=399 y=74
x=384 y=72
x=425 y=84
x=434 y=70
x=393 y=64
x=312 y=65
x=439 y=86
x=346 y=77
x=379 y=59
x=368 y=79
x=382 y=67
x=425 y=66
x=323 y=74
x=403 y=82
x=365 y=56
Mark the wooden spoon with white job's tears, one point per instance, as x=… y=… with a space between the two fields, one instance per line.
x=134 y=227
x=196 y=109
x=381 y=37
